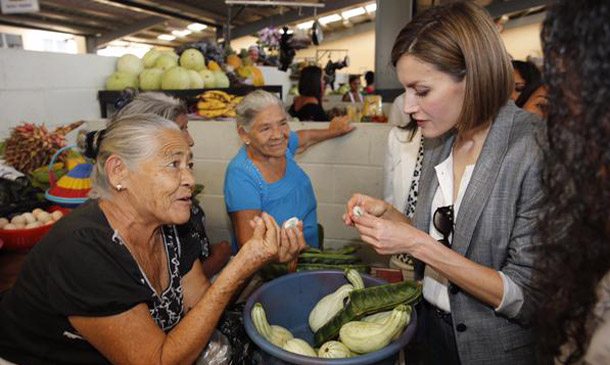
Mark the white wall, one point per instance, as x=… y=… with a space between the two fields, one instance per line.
x=338 y=168
x=50 y=88
x=523 y=41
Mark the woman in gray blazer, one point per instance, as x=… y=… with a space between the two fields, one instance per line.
x=479 y=195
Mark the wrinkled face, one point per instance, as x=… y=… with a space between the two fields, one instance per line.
x=538 y=102
x=268 y=133
x=432 y=98
x=519 y=86
x=182 y=122
x=161 y=187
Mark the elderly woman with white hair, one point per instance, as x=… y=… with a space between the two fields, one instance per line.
x=214 y=256
x=112 y=282
x=263 y=176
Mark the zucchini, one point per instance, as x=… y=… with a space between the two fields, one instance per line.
x=365 y=337
x=367 y=301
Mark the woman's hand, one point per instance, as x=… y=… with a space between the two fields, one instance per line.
x=389 y=237
x=292 y=242
x=269 y=242
x=368 y=204
x=341 y=125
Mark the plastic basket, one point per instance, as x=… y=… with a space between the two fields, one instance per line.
x=66 y=202
x=25 y=239
x=289 y=299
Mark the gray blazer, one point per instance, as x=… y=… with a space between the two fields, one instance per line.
x=496 y=227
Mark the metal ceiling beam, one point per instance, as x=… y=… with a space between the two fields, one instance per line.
x=72 y=19
x=28 y=22
x=212 y=16
x=85 y=7
x=94 y=43
x=153 y=10
x=499 y=8
x=290 y=17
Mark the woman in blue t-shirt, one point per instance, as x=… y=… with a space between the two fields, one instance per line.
x=263 y=176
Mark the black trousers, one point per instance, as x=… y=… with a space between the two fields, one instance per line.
x=434 y=341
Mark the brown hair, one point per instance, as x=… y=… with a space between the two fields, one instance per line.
x=461 y=40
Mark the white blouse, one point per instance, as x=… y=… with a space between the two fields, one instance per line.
x=435 y=285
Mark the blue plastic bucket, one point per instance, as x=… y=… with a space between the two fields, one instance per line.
x=288 y=301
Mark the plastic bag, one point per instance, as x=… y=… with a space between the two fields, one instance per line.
x=231 y=324
x=218 y=351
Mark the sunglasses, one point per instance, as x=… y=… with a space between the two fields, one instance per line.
x=443 y=222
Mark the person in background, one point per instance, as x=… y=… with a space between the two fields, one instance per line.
x=474 y=229
x=113 y=282
x=354 y=95
x=254 y=54
x=534 y=99
x=307 y=106
x=402 y=168
x=574 y=260
x=369 y=78
x=264 y=176
x=526 y=73
x=214 y=256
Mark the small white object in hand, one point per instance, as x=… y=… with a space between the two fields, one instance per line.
x=292 y=222
x=357 y=211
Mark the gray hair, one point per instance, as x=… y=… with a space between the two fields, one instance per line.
x=152 y=102
x=133 y=138
x=254 y=103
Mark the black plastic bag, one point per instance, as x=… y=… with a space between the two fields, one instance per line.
x=231 y=324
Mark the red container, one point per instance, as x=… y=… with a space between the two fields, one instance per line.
x=25 y=239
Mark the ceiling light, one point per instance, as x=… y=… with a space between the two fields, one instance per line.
x=197 y=27
x=370 y=8
x=166 y=37
x=181 y=33
x=352 y=13
x=305 y=25
x=330 y=18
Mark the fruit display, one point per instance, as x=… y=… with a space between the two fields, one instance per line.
x=217 y=104
x=35 y=219
x=166 y=70
x=31 y=146
x=363 y=321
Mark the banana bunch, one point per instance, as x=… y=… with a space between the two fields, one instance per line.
x=217 y=104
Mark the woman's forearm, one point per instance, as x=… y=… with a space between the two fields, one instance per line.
x=310 y=137
x=482 y=282
x=186 y=341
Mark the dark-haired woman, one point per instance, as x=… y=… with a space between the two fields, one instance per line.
x=474 y=229
x=526 y=73
x=575 y=257
x=308 y=105
x=354 y=95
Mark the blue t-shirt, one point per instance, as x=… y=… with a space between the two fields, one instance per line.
x=291 y=196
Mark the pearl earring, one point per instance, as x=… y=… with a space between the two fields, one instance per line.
x=119 y=187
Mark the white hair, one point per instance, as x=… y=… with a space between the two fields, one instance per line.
x=254 y=103
x=133 y=138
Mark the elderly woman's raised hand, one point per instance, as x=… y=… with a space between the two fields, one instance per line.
x=341 y=125
x=269 y=242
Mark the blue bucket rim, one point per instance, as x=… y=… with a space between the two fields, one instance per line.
x=370 y=358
